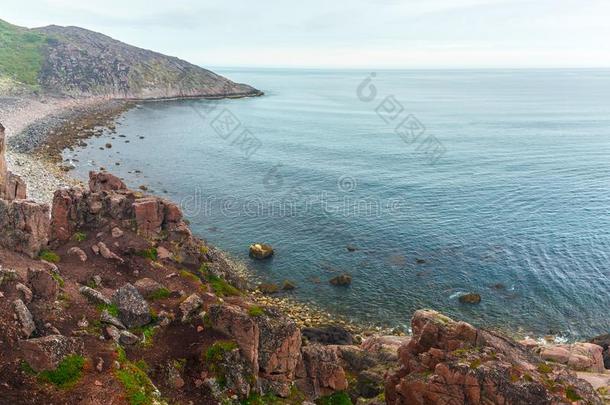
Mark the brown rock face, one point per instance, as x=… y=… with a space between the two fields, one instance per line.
x=25 y=226
x=47 y=352
x=12 y=187
x=109 y=202
x=448 y=362
x=105 y=182
x=320 y=372
x=269 y=343
x=43 y=284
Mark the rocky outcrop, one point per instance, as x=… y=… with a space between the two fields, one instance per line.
x=320 y=372
x=270 y=343
x=25 y=318
x=109 y=203
x=25 y=226
x=47 y=352
x=449 y=362
x=604 y=342
x=12 y=187
x=43 y=284
x=577 y=356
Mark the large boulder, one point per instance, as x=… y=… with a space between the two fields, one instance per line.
x=105 y=182
x=449 y=362
x=25 y=318
x=578 y=356
x=269 y=342
x=25 y=226
x=320 y=372
x=47 y=352
x=328 y=335
x=604 y=342
x=43 y=284
x=278 y=351
x=12 y=187
x=133 y=308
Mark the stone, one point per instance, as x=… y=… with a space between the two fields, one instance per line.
x=268 y=288
x=147 y=286
x=12 y=187
x=25 y=318
x=578 y=356
x=43 y=284
x=133 y=308
x=128 y=338
x=25 y=293
x=289 y=286
x=79 y=253
x=342 y=280
x=320 y=372
x=25 y=226
x=261 y=251
x=328 y=335
x=278 y=351
x=94 y=296
x=95 y=249
x=107 y=253
x=163 y=253
x=97 y=280
x=189 y=306
x=117 y=232
x=113 y=333
x=105 y=317
x=105 y=182
x=148 y=215
x=233 y=321
x=45 y=353
x=470 y=298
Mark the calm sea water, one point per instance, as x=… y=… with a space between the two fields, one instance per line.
x=515 y=208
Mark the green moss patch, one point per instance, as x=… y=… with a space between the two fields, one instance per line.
x=112 y=309
x=67 y=373
x=79 y=237
x=159 y=294
x=150 y=253
x=139 y=389
x=49 y=256
x=338 y=398
x=255 y=311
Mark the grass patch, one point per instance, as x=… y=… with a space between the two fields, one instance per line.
x=112 y=309
x=148 y=334
x=79 y=237
x=255 y=311
x=338 y=398
x=26 y=368
x=219 y=285
x=572 y=395
x=159 y=294
x=189 y=276
x=150 y=253
x=67 y=373
x=49 y=256
x=21 y=53
x=215 y=352
x=545 y=368
x=58 y=279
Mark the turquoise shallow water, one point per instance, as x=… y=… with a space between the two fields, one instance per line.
x=516 y=208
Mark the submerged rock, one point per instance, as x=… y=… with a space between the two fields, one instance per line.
x=470 y=298
x=342 y=280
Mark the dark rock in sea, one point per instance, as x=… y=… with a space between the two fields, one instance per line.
x=268 y=288
x=420 y=261
x=328 y=335
x=261 y=251
x=351 y=248
x=289 y=286
x=470 y=298
x=342 y=280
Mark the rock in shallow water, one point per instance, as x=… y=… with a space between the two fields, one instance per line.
x=261 y=251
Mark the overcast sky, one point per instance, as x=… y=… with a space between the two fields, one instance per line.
x=345 y=33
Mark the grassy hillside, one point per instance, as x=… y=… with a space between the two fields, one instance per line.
x=21 y=53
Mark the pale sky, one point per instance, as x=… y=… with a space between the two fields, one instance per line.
x=341 y=33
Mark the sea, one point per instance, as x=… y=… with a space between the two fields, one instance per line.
x=422 y=185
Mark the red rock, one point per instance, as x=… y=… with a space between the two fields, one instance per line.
x=105 y=182
x=149 y=215
x=43 y=284
x=25 y=226
x=12 y=187
x=241 y=327
x=577 y=356
x=46 y=353
x=320 y=372
x=449 y=362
